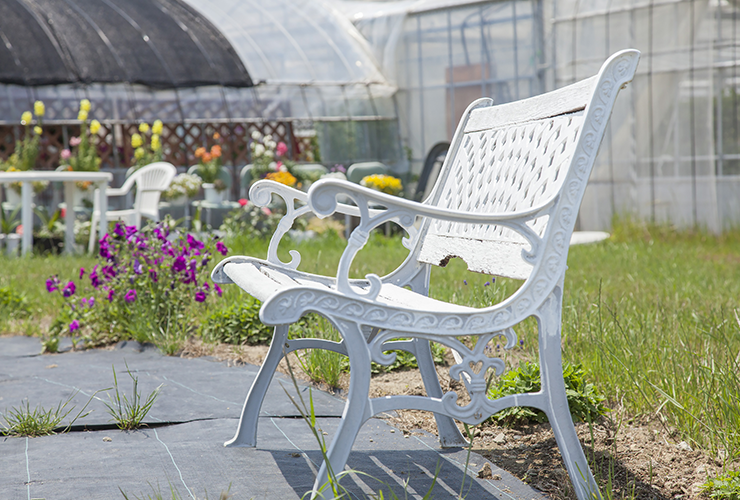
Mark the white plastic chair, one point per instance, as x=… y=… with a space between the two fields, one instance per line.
x=150 y=181
x=505 y=202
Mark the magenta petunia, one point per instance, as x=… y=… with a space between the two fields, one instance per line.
x=130 y=296
x=82 y=272
x=200 y=296
x=69 y=289
x=219 y=292
x=74 y=325
x=50 y=285
x=221 y=248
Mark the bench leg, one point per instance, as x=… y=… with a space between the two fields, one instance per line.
x=355 y=409
x=449 y=435
x=246 y=432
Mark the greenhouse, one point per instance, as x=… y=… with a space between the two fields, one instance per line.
x=343 y=82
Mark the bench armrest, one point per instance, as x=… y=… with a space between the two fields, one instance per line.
x=322 y=200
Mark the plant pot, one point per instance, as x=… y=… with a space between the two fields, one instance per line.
x=12 y=197
x=83 y=198
x=212 y=195
x=180 y=201
x=12 y=244
x=48 y=244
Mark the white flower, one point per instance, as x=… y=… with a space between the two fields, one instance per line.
x=259 y=150
x=283 y=168
x=334 y=175
x=256 y=135
x=269 y=153
x=273 y=165
x=268 y=138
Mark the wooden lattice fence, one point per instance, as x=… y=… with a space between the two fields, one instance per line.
x=179 y=142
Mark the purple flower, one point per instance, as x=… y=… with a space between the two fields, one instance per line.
x=51 y=285
x=153 y=275
x=109 y=272
x=465 y=282
x=110 y=294
x=158 y=234
x=69 y=289
x=221 y=248
x=82 y=272
x=130 y=296
x=204 y=262
x=94 y=279
x=138 y=268
x=195 y=244
x=105 y=248
x=130 y=231
x=521 y=344
x=219 y=292
x=88 y=302
x=206 y=287
x=200 y=296
x=487 y=283
x=74 y=325
x=119 y=230
x=180 y=264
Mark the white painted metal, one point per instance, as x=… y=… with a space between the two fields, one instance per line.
x=150 y=181
x=506 y=202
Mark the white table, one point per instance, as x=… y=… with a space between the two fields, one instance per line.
x=100 y=179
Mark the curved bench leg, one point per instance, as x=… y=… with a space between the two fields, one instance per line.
x=449 y=435
x=246 y=432
x=355 y=409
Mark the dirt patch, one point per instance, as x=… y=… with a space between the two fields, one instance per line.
x=642 y=458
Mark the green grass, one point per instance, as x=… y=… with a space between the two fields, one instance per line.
x=650 y=314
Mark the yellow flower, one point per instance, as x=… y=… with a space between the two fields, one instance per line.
x=136 y=141
x=38 y=130
x=38 y=108
x=143 y=128
x=26 y=118
x=157 y=127
x=282 y=177
x=82 y=115
x=85 y=105
x=139 y=153
x=156 y=144
x=94 y=126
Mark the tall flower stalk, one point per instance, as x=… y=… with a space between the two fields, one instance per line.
x=83 y=157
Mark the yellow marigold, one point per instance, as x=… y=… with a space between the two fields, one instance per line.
x=200 y=152
x=157 y=127
x=383 y=183
x=94 y=127
x=282 y=177
x=136 y=141
x=82 y=115
x=139 y=153
x=38 y=130
x=38 y=108
x=26 y=118
x=156 y=144
x=85 y=105
x=143 y=128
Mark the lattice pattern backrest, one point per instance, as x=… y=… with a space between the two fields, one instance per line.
x=505 y=170
x=506 y=159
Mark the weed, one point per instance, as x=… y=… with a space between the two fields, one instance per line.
x=174 y=494
x=725 y=486
x=129 y=414
x=238 y=324
x=585 y=402
x=13 y=304
x=40 y=422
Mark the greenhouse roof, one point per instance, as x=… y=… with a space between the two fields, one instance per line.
x=160 y=44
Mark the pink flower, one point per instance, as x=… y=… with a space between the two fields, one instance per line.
x=266 y=211
x=243 y=201
x=74 y=141
x=66 y=154
x=74 y=325
x=281 y=149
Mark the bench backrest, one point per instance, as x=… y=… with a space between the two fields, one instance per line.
x=517 y=156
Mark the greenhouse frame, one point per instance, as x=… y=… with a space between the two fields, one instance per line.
x=388 y=81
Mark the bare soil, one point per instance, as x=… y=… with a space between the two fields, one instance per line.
x=642 y=458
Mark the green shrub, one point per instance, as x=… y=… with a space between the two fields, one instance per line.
x=13 y=304
x=725 y=486
x=238 y=324
x=584 y=401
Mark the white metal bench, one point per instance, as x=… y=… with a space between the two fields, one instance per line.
x=505 y=202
